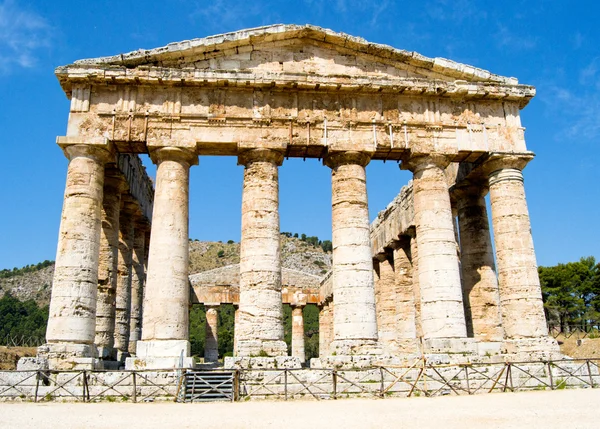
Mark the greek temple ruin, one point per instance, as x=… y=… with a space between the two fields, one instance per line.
x=423 y=280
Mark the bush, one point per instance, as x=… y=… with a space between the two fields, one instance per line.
x=221 y=253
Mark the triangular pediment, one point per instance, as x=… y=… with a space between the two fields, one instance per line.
x=288 y=50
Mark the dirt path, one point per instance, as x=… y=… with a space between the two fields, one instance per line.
x=571 y=409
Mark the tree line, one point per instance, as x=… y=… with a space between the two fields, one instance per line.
x=22 y=318
x=571 y=293
x=6 y=273
x=326 y=245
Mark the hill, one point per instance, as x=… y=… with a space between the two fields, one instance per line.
x=34 y=282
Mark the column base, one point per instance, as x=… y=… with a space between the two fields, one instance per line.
x=106 y=353
x=355 y=347
x=258 y=348
x=277 y=362
x=161 y=354
x=528 y=349
x=66 y=356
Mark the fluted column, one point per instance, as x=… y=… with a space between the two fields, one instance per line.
x=354 y=316
x=480 y=284
x=114 y=184
x=385 y=289
x=123 y=298
x=406 y=326
x=260 y=327
x=165 y=326
x=298 y=350
x=211 y=342
x=138 y=279
x=72 y=317
x=521 y=303
x=442 y=312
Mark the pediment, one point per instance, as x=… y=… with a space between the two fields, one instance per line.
x=288 y=52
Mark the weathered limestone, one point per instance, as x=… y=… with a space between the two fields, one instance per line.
x=405 y=307
x=325 y=328
x=72 y=318
x=114 y=185
x=385 y=299
x=211 y=342
x=355 y=320
x=123 y=297
x=521 y=303
x=480 y=285
x=298 y=333
x=442 y=314
x=165 y=336
x=260 y=328
x=416 y=288
x=138 y=279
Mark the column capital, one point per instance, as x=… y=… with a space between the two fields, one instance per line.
x=419 y=162
x=171 y=153
x=496 y=162
x=260 y=155
x=113 y=178
x=467 y=190
x=335 y=159
x=102 y=153
x=130 y=206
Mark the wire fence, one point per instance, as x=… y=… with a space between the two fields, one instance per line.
x=578 y=331
x=21 y=341
x=418 y=379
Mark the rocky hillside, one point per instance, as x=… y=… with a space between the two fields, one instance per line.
x=204 y=255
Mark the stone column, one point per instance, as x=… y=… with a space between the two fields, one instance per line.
x=405 y=325
x=354 y=317
x=72 y=317
x=211 y=342
x=260 y=327
x=298 y=333
x=480 y=284
x=114 y=184
x=521 y=304
x=138 y=279
x=386 y=304
x=165 y=325
x=416 y=288
x=123 y=298
x=325 y=328
x=236 y=321
x=442 y=312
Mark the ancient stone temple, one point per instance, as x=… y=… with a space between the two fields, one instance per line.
x=417 y=282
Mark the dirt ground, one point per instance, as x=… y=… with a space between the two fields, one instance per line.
x=10 y=355
x=573 y=409
x=587 y=347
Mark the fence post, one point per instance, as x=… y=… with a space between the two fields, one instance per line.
x=587 y=361
x=382 y=386
x=285 y=388
x=334 y=379
x=133 y=374
x=236 y=385
x=84 y=385
x=467 y=378
x=550 y=375
x=37 y=385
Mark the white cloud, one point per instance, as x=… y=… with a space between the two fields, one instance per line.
x=507 y=39
x=23 y=34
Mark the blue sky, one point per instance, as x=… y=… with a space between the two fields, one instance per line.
x=553 y=45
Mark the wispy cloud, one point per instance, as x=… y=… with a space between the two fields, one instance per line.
x=455 y=10
x=505 y=38
x=223 y=14
x=23 y=35
x=575 y=111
